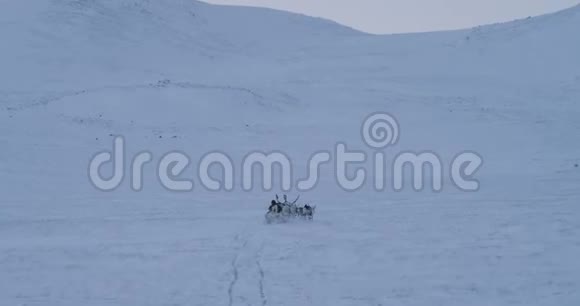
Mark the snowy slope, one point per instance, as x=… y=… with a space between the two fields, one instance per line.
x=194 y=77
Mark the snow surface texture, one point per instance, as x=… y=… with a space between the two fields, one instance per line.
x=184 y=75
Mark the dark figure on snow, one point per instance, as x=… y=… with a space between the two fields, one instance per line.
x=275 y=207
x=307 y=211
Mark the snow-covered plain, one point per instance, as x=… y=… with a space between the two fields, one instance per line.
x=184 y=75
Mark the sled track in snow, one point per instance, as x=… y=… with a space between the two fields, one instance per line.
x=163 y=84
x=261 y=282
x=234 y=271
x=246 y=265
x=233 y=282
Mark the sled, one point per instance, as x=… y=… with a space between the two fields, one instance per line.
x=289 y=211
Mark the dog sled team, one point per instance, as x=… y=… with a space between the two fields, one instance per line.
x=285 y=211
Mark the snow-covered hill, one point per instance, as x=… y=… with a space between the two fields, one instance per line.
x=189 y=76
x=145 y=37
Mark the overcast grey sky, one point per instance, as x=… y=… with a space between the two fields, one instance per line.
x=396 y=16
